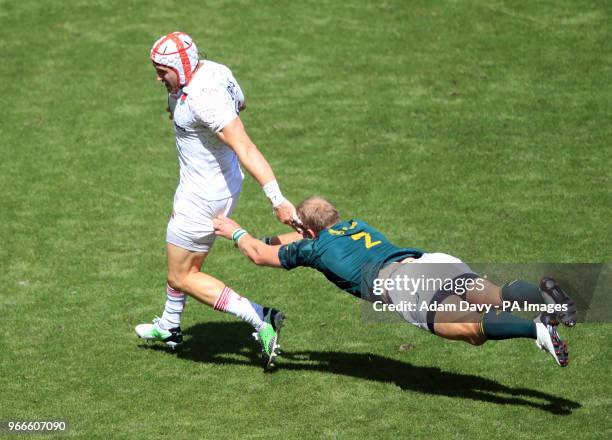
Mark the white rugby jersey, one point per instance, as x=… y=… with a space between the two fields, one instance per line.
x=209 y=169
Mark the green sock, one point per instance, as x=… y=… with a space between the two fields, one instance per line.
x=519 y=290
x=503 y=325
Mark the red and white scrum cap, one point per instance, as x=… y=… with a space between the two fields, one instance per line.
x=178 y=51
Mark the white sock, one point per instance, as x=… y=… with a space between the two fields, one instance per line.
x=229 y=301
x=175 y=304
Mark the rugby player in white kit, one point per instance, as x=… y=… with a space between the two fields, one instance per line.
x=204 y=100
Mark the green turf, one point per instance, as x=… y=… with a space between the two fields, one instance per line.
x=478 y=128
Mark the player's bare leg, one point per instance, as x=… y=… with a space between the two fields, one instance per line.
x=459 y=326
x=477 y=328
x=185 y=277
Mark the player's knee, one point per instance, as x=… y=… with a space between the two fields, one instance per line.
x=466 y=331
x=176 y=280
x=473 y=334
x=476 y=340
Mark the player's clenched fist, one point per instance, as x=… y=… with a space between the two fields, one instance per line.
x=286 y=214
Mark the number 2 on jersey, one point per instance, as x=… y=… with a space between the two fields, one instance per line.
x=368 y=239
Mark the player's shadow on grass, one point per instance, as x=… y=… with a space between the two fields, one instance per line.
x=229 y=343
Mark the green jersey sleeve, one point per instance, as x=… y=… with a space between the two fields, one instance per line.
x=296 y=254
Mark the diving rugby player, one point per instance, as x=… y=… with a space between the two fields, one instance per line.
x=356 y=257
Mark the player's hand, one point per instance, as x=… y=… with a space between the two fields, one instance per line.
x=285 y=213
x=225 y=227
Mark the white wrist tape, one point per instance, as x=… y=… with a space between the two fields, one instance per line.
x=273 y=192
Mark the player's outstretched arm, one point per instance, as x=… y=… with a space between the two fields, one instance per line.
x=256 y=250
x=235 y=136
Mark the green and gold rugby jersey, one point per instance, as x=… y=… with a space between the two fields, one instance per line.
x=349 y=254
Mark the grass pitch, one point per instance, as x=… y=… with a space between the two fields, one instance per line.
x=477 y=128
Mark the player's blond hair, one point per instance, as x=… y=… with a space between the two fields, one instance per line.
x=317 y=213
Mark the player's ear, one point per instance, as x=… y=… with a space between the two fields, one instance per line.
x=309 y=233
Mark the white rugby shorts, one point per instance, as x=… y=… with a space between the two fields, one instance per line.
x=190 y=226
x=430 y=266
